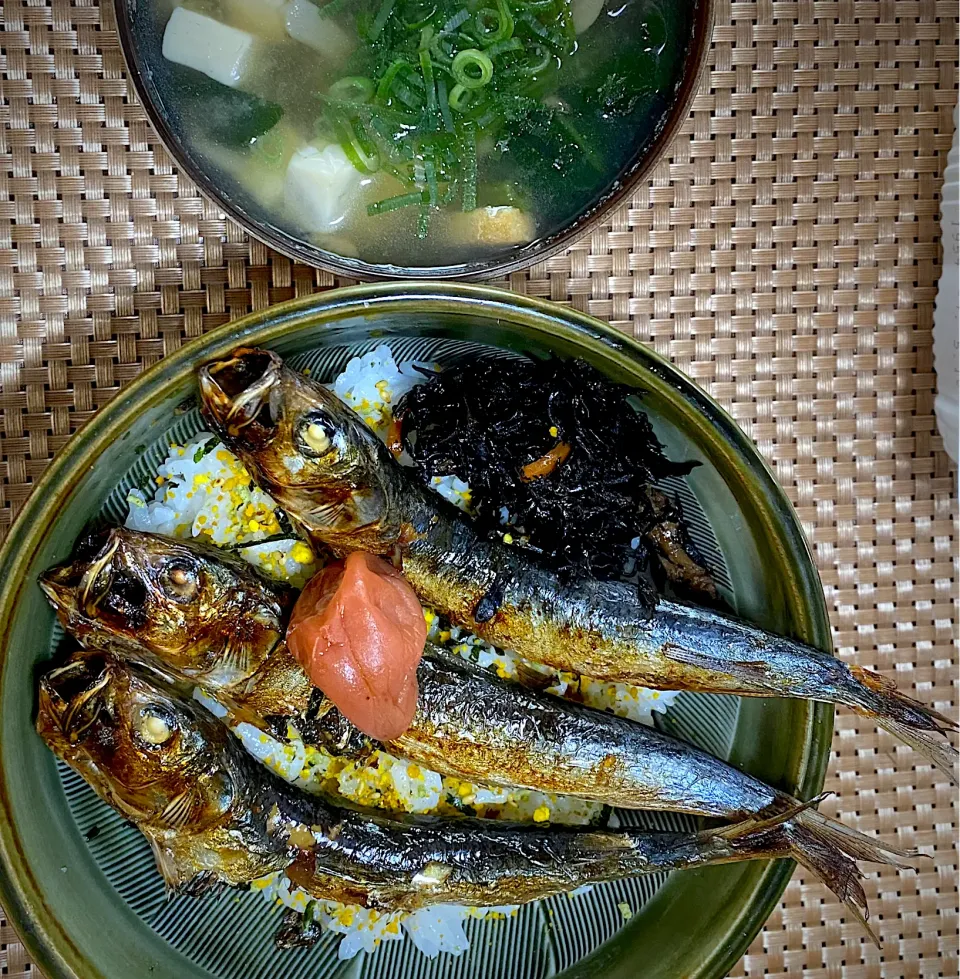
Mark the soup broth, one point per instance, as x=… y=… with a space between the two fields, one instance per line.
x=415 y=132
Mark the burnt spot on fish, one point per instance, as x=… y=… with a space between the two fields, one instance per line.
x=317 y=699
x=331 y=730
x=238 y=395
x=297 y=930
x=489 y=605
x=90 y=543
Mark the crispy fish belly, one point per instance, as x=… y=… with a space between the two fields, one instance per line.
x=340 y=484
x=214 y=816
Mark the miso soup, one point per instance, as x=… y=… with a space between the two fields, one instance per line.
x=414 y=132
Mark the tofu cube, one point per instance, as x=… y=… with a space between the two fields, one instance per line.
x=320 y=188
x=197 y=41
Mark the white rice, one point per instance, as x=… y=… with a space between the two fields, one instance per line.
x=373 y=384
x=204 y=491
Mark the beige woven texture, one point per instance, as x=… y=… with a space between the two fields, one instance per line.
x=785 y=255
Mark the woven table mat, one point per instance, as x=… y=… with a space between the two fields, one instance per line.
x=785 y=256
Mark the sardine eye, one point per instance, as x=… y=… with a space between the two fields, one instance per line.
x=316 y=437
x=155 y=725
x=180 y=580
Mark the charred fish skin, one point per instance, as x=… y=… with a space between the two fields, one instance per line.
x=344 y=489
x=186 y=608
x=468 y=722
x=164 y=764
x=213 y=815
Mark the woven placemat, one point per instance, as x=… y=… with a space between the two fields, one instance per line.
x=785 y=256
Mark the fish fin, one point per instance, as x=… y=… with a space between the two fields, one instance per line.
x=236 y=656
x=941 y=754
x=913 y=722
x=334 y=513
x=752 y=670
x=762 y=822
x=167 y=864
x=176 y=813
x=825 y=847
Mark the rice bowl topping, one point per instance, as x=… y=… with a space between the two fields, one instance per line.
x=203 y=491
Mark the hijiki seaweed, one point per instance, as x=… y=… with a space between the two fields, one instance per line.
x=559 y=460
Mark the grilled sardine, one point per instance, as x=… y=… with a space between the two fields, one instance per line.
x=214 y=816
x=338 y=482
x=468 y=722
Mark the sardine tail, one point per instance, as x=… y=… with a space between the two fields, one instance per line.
x=914 y=723
x=835 y=868
x=825 y=847
x=941 y=754
x=855 y=844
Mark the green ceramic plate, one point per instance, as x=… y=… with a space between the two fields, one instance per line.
x=91 y=905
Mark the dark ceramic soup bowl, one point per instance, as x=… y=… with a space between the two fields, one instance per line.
x=568 y=187
x=91 y=904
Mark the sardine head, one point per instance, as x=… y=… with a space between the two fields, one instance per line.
x=193 y=611
x=241 y=395
x=303 y=445
x=149 y=753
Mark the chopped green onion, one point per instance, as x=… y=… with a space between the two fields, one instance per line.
x=461 y=98
x=443 y=99
x=472 y=69
x=398 y=83
x=430 y=171
x=352 y=88
x=487 y=119
x=446 y=44
x=426 y=66
x=386 y=82
x=450 y=194
x=394 y=203
x=456 y=21
x=502 y=20
x=534 y=25
x=504 y=47
x=417 y=14
x=361 y=152
x=434 y=77
x=539 y=60
x=380 y=21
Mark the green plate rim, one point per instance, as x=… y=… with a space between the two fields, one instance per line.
x=47 y=942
